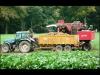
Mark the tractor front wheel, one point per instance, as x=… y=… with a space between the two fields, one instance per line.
x=24 y=46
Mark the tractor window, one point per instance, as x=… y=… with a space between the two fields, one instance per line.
x=25 y=35
x=22 y=35
x=18 y=35
x=52 y=29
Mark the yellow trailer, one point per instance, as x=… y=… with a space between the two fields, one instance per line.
x=58 y=40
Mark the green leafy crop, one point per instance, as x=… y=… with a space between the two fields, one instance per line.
x=51 y=60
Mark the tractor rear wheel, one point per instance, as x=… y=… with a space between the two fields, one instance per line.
x=24 y=46
x=86 y=46
x=5 y=48
x=67 y=48
x=58 y=48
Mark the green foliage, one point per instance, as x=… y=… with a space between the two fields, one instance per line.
x=37 y=17
x=11 y=13
x=50 y=60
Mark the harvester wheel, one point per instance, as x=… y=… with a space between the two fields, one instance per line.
x=24 y=46
x=67 y=48
x=86 y=46
x=5 y=48
x=58 y=48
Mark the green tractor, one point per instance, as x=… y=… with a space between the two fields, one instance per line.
x=23 y=42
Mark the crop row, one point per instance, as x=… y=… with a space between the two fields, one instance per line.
x=50 y=60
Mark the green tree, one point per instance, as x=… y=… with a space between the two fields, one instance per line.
x=71 y=13
x=6 y=14
x=36 y=17
x=11 y=13
x=14 y=18
x=22 y=13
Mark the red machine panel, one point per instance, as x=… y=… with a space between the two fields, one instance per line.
x=86 y=35
x=69 y=26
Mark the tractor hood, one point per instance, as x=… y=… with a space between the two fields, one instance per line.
x=9 y=40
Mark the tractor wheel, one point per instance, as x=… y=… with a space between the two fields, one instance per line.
x=67 y=48
x=5 y=48
x=86 y=46
x=24 y=46
x=58 y=48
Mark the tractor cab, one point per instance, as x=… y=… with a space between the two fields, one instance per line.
x=22 y=35
x=52 y=28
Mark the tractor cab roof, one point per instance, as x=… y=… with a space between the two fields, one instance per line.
x=19 y=32
x=52 y=25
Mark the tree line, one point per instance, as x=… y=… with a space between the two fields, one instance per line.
x=17 y=18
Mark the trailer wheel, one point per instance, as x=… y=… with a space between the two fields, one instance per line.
x=24 y=46
x=58 y=48
x=67 y=48
x=5 y=48
x=86 y=46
